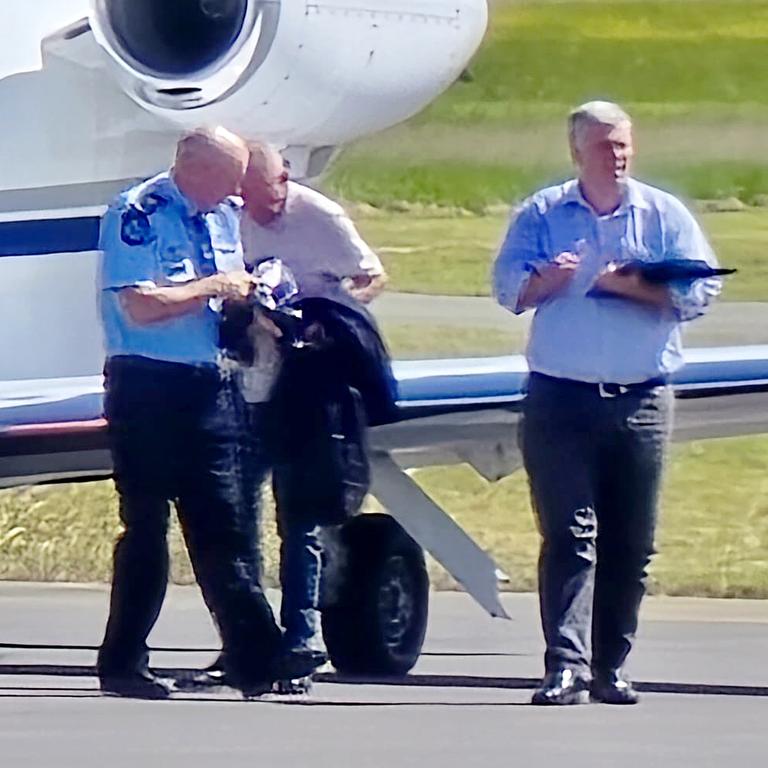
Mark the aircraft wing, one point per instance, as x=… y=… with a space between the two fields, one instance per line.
x=52 y=430
x=461 y=410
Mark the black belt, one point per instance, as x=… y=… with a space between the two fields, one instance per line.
x=604 y=388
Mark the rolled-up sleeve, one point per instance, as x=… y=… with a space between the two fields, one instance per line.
x=128 y=252
x=356 y=257
x=690 y=299
x=520 y=252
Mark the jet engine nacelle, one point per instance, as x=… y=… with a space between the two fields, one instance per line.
x=117 y=88
x=296 y=72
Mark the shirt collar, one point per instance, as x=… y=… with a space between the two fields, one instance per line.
x=181 y=199
x=633 y=196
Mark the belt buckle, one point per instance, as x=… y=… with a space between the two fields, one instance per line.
x=605 y=393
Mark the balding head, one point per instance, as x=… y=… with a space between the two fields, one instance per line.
x=265 y=187
x=209 y=166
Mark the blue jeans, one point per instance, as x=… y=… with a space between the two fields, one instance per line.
x=594 y=466
x=301 y=542
x=301 y=568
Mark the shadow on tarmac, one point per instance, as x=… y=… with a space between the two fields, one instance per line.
x=412 y=680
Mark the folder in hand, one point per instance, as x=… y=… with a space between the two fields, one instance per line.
x=671 y=270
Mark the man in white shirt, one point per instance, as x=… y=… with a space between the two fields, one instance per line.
x=335 y=271
x=310 y=233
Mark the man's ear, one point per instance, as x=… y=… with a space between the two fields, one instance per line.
x=575 y=156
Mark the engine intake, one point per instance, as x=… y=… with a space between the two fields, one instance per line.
x=181 y=54
x=175 y=38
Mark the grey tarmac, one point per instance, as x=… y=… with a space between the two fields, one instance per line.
x=726 y=324
x=700 y=664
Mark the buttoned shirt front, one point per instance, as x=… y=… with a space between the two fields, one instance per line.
x=599 y=338
x=316 y=240
x=153 y=236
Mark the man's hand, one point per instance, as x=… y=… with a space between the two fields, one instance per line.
x=549 y=279
x=365 y=288
x=628 y=283
x=233 y=286
x=150 y=304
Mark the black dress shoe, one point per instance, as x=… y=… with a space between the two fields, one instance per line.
x=613 y=688
x=202 y=680
x=561 y=688
x=298 y=663
x=135 y=685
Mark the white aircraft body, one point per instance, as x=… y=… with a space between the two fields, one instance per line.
x=115 y=90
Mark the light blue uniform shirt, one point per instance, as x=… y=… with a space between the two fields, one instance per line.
x=603 y=339
x=153 y=236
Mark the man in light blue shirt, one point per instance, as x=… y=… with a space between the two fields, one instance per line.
x=175 y=418
x=603 y=341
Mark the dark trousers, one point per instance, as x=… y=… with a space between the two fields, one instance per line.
x=594 y=464
x=176 y=434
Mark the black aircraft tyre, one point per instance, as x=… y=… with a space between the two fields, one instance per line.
x=377 y=622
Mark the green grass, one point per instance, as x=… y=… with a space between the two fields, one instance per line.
x=713 y=535
x=691 y=72
x=409 y=341
x=453 y=256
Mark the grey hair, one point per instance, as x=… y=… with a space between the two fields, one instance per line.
x=594 y=113
x=205 y=138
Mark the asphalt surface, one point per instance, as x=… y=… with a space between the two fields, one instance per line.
x=726 y=323
x=700 y=663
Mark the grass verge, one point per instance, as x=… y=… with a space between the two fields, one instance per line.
x=691 y=73
x=453 y=256
x=713 y=534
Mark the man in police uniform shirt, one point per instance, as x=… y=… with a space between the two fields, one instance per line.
x=317 y=241
x=172 y=253
x=597 y=417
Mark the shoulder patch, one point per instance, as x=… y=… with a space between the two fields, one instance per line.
x=135 y=228
x=151 y=202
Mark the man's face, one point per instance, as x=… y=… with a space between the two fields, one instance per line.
x=265 y=186
x=603 y=153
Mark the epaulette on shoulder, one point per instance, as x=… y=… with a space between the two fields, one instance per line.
x=150 y=195
x=135 y=227
x=138 y=205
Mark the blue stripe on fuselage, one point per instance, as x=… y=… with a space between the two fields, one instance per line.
x=44 y=236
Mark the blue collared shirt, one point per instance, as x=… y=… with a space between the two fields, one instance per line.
x=153 y=236
x=608 y=339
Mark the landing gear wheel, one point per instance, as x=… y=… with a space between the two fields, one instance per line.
x=378 y=619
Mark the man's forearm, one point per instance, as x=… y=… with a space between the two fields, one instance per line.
x=531 y=294
x=634 y=288
x=147 y=305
